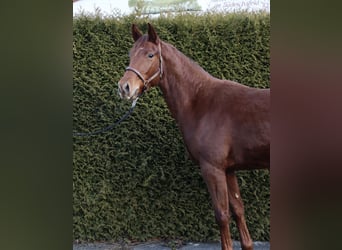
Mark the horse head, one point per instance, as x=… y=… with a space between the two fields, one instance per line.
x=145 y=67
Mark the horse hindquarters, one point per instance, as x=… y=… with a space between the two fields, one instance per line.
x=216 y=181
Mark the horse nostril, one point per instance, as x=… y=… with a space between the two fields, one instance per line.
x=126 y=87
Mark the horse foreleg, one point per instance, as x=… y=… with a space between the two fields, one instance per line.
x=217 y=186
x=236 y=205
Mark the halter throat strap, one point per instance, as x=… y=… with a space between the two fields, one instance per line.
x=159 y=72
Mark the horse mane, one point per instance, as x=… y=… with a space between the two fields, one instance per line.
x=184 y=59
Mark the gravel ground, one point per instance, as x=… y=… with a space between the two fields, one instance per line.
x=164 y=246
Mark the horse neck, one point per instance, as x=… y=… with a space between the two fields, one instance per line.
x=182 y=80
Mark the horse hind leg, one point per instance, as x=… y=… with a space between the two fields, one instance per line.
x=237 y=208
x=217 y=186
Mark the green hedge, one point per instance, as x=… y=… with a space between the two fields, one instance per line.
x=136 y=182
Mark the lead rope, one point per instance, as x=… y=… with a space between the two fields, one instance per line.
x=83 y=134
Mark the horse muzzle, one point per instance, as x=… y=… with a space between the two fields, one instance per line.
x=126 y=91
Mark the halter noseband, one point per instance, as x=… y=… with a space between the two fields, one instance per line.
x=160 y=71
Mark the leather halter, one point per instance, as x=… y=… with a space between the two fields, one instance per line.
x=160 y=71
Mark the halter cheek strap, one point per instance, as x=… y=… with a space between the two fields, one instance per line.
x=159 y=72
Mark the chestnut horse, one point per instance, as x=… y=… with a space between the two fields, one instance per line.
x=225 y=125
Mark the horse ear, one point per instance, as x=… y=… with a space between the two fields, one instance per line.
x=152 y=35
x=136 y=33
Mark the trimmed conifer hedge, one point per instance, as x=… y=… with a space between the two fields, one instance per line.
x=136 y=182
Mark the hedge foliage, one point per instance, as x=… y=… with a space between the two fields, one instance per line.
x=136 y=182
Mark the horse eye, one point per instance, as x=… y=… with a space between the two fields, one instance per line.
x=150 y=55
